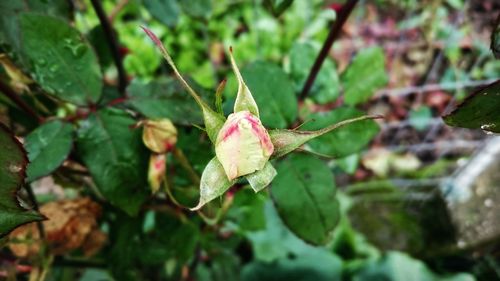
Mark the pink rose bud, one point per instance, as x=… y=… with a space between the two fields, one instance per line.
x=159 y=135
x=156 y=172
x=243 y=145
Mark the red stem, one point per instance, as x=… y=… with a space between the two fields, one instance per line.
x=14 y=97
x=342 y=16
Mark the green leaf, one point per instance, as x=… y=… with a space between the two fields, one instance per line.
x=273 y=92
x=395 y=266
x=164 y=99
x=9 y=22
x=314 y=266
x=480 y=110
x=197 y=8
x=213 y=183
x=48 y=146
x=304 y=195
x=420 y=118
x=343 y=141
x=277 y=7
x=364 y=75
x=13 y=163
x=116 y=158
x=262 y=178
x=247 y=210
x=167 y=12
x=63 y=63
x=326 y=86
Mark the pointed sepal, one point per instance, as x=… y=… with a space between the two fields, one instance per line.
x=244 y=99
x=213 y=183
x=286 y=141
x=262 y=178
x=213 y=121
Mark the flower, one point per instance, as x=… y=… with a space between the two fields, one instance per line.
x=156 y=171
x=243 y=145
x=159 y=135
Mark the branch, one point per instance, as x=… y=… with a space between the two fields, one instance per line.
x=342 y=16
x=112 y=43
x=14 y=97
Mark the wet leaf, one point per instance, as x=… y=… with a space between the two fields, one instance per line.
x=304 y=195
x=13 y=161
x=48 y=146
x=116 y=158
x=480 y=110
x=62 y=62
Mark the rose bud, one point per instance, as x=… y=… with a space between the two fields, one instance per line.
x=243 y=145
x=156 y=172
x=159 y=135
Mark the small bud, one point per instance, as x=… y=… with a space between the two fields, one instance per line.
x=243 y=145
x=156 y=172
x=159 y=135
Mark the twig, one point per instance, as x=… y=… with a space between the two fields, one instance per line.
x=332 y=35
x=112 y=43
x=434 y=87
x=14 y=97
x=34 y=202
x=116 y=9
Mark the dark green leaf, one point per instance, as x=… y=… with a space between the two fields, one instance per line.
x=164 y=99
x=48 y=146
x=247 y=211
x=326 y=86
x=345 y=140
x=9 y=22
x=304 y=195
x=13 y=163
x=273 y=92
x=364 y=75
x=62 y=62
x=116 y=158
x=167 y=12
x=478 y=111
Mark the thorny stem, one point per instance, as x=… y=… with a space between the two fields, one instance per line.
x=342 y=16
x=113 y=45
x=14 y=97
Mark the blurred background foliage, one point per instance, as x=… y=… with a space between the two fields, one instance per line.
x=391 y=213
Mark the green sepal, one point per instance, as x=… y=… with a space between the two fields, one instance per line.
x=262 y=178
x=244 y=99
x=213 y=120
x=286 y=141
x=213 y=183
